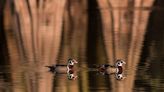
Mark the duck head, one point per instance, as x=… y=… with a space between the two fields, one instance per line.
x=119 y=63
x=71 y=76
x=72 y=61
x=119 y=76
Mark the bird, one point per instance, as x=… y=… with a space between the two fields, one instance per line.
x=116 y=69
x=64 y=69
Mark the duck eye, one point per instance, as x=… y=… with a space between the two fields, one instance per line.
x=70 y=61
x=69 y=77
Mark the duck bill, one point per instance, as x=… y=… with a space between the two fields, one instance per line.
x=75 y=61
x=75 y=78
x=123 y=62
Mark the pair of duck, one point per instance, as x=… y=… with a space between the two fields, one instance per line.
x=68 y=69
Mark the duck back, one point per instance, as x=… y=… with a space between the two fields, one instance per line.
x=61 y=69
x=111 y=70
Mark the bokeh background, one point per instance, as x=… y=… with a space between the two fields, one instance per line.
x=36 y=33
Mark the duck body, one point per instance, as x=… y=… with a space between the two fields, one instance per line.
x=116 y=69
x=58 y=69
x=64 y=69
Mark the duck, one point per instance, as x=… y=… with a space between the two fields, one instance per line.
x=116 y=69
x=64 y=69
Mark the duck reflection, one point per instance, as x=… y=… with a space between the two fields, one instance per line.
x=117 y=69
x=64 y=69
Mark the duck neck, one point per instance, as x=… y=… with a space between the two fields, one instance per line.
x=119 y=69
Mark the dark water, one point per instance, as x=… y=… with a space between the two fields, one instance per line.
x=146 y=76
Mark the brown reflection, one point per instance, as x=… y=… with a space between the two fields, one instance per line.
x=46 y=32
x=96 y=53
x=151 y=76
x=33 y=42
x=124 y=32
x=73 y=44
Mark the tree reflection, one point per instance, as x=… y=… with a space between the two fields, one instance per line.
x=151 y=74
x=36 y=33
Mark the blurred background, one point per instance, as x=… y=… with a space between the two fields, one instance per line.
x=36 y=33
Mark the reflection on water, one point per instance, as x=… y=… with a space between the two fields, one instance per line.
x=98 y=34
x=149 y=71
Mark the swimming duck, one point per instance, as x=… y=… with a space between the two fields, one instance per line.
x=117 y=69
x=64 y=69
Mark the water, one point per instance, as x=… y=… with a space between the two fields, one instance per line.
x=135 y=35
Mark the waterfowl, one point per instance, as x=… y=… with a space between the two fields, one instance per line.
x=117 y=69
x=63 y=69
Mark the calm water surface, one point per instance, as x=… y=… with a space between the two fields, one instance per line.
x=144 y=72
x=149 y=76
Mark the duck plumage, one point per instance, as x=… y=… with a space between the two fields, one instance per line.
x=117 y=69
x=64 y=69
